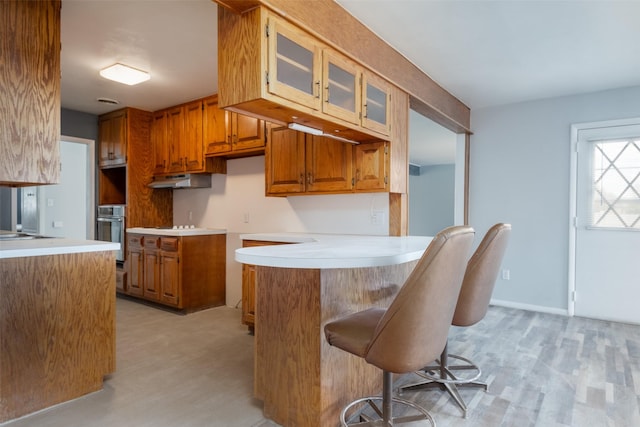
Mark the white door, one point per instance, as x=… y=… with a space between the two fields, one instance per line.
x=607 y=245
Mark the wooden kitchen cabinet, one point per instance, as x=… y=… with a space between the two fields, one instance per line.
x=249 y=285
x=112 y=139
x=296 y=163
x=371 y=166
x=151 y=268
x=285 y=169
x=184 y=138
x=170 y=272
x=127 y=184
x=30 y=87
x=305 y=80
x=159 y=142
x=231 y=134
x=177 y=138
x=135 y=265
x=184 y=272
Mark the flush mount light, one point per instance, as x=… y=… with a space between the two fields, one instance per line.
x=124 y=74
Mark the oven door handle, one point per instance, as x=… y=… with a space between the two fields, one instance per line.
x=100 y=219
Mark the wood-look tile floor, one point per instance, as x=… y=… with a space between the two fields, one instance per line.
x=196 y=370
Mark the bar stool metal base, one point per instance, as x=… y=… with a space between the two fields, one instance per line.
x=442 y=376
x=378 y=411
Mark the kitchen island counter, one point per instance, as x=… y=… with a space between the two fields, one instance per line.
x=176 y=231
x=52 y=246
x=329 y=251
x=301 y=379
x=57 y=299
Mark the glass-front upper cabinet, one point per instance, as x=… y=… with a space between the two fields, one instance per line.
x=294 y=64
x=376 y=100
x=342 y=90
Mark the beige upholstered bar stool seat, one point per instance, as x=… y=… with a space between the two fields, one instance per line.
x=473 y=303
x=410 y=333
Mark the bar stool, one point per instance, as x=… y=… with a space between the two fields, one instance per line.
x=408 y=334
x=473 y=303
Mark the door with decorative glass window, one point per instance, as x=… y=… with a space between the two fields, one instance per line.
x=607 y=246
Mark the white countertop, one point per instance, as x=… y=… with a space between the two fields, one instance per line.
x=176 y=231
x=331 y=251
x=52 y=246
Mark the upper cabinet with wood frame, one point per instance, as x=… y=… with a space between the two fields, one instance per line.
x=30 y=87
x=112 y=139
x=229 y=134
x=297 y=163
x=270 y=68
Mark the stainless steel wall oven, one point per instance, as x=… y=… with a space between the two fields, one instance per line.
x=111 y=226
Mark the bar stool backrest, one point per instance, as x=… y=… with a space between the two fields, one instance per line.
x=414 y=329
x=480 y=277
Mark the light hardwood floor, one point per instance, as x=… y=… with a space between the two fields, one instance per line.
x=196 y=371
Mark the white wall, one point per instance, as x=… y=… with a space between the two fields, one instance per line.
x=431 y=200
x=236 y=202
x=519 y=173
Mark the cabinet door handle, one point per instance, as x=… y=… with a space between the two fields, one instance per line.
x=317 y=89
x=365 y=110
x=235 y=139
x=326 y=99
x=301 y=181
x=309 y=178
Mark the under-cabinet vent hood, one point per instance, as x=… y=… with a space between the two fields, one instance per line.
x=198 y=180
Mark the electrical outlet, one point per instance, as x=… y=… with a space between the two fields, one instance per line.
x=246 y=218
x=506 y=274
x=377 y=217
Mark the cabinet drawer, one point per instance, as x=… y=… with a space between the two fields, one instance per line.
x=169 y=243
x=151 y=242
x=135 y=241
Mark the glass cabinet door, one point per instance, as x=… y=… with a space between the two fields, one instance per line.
x=341 y=87
x=375 y=114
x=294 y=65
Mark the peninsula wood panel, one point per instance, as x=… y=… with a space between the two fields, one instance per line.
x=358 y=42
x=30 y=87
x=57 y=329
x=303 y=381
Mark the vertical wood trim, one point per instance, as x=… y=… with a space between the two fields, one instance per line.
x=398 y=214
x=467 y=159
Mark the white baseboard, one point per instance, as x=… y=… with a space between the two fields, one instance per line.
x=530 y=307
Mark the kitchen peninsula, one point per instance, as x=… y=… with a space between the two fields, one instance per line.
x=303 y=381
x=57 y=323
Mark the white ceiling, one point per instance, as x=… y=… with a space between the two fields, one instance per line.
x=484 y=52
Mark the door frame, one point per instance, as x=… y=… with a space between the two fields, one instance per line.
x=573 y=202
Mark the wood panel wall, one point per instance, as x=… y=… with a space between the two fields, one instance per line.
x=57 y=329
x=146 y=207
x=303 y=381
x=30 y=88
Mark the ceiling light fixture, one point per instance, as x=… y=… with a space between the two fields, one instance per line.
x=124 y=74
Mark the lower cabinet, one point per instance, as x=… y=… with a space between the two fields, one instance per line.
x=184 y=272
x=249 y=285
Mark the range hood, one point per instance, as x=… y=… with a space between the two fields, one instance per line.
x=196 y=180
